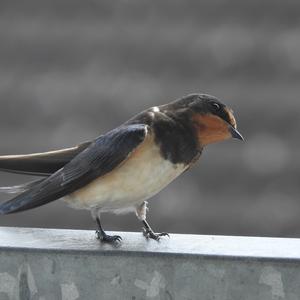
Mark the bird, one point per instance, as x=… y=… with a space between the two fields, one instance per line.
x=121 y=169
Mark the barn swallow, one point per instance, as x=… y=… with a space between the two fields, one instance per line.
x=118 y=171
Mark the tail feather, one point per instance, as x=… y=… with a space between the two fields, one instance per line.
x=40 y=164
x=22 y=189
x=36 y=194
x=16 y=189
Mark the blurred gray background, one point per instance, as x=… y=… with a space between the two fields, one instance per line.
x=71 y=70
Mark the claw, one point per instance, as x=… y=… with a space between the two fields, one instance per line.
x=108 y=238
x=164 y=234
x=149 y=234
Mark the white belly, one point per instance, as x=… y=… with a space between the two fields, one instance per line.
x=140 y=177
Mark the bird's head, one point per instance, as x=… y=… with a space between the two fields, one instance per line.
x=213 y=121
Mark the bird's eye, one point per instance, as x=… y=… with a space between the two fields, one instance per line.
x=216 y=106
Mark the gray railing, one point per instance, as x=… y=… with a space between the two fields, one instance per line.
x=49 y=264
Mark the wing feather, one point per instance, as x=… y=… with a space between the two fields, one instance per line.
x=102 y=156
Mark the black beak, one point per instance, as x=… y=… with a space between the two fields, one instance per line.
x=235 y=134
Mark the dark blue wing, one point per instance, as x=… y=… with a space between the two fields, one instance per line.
x=102 y=156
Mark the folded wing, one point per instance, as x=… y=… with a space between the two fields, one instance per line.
x=99 y=158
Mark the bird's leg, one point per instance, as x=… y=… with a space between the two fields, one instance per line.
x=149 y=233
x=103 y=237
x=141 y=212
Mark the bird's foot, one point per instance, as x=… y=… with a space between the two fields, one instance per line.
x=150 y=234
x=103 y=237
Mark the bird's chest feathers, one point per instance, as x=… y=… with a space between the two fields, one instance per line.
x=140 y=177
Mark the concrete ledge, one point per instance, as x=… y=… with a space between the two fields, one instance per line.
x=54 y=264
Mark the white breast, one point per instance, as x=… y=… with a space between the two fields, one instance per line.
x=140 y=177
